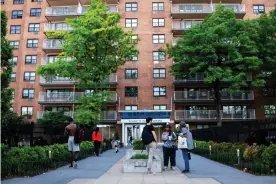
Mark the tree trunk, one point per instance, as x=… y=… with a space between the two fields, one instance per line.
x=218 y=101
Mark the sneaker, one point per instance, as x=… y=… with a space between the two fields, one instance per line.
x=70 y=165
x=173 y=168
x=185 y=171
x=75 y=165
x=165 y=167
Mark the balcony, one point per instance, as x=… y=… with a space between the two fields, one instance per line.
x=211 y=115
x=179 y=27
x=57 y=26
x=208 y=96
x=56 y=81
x=40 y=114
x=59 y=97
x=62 y=2
x=207 y=1
x=61 y=13
x=111 y=9
x=52 y=46
x=51 y=59
x=108 y=116
x=88 y=2
x=113 y=97
x=200 y=11
x=112 y=79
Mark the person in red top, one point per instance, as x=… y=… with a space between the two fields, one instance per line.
x=97 y=138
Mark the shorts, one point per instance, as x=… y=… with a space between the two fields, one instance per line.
x=71 y=144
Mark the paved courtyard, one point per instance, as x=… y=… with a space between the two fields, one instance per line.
x=107 y=169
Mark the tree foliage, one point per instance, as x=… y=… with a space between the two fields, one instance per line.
x=97 y=46
x=7 y=116
x=221 y=47
x=54 y=118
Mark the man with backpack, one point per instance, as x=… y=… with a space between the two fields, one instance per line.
x=79 y=136
x=149 y=139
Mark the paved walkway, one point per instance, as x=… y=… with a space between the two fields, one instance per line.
x=92 y=167
x=205 y=168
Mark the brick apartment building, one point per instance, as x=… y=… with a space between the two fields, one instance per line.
x=142 y=87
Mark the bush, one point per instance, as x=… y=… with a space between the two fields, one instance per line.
x=269 y=156
x=138 y=144
x=28 y=161
x=140 y=156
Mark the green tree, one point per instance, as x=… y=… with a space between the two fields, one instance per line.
x=7 y=116
x=221 y=47
x=97 y=46
x=267 y=41
x=54 y=118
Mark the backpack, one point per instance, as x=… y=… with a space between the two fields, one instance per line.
x=147 y=136
x=79 y=135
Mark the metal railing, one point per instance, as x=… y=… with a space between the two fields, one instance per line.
x=57 y=26
x=111 y=9
x=108 y=115
x=183 y=25
x=61 y=11
x=56 y=80
x=204 y=8
x=53 y=97
x=209 y=95
x=46 y=60
x=52 y=44
x=111 y=79
x=113 y=96
x=212 y=114
x=40 y=114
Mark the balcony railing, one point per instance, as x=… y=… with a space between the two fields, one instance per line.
x=61 y=11
x=112 y=78
x=209 y=95
x=111 y=9
x=212 y=114
x=52 y=44
x=113 y=97
x=40 y=114
x=57 y=26
x=46 y=60
x=238 y=8
x=108 y=115
x=183 y=25
x=56 y=80
x=60 y=97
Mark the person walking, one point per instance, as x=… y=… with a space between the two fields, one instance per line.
x=117 y=145
x=73 y=148
x=169 y=148
x=149 y=139
x=97 y=138
x=185 y=133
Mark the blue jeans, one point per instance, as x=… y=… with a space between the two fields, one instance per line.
x=186 y=159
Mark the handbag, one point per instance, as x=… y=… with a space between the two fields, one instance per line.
x=182 y=143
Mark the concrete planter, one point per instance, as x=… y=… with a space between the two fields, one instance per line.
x=140 y=165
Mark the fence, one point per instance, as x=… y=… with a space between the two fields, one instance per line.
x=235 y=160
x=260 y=132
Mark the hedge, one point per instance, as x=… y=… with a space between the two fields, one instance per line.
x=30 y=161
x=258 y=159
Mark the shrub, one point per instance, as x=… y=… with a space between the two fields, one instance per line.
x=138 y=144
x=140 y=156
x=249 y=153
x=269 y=155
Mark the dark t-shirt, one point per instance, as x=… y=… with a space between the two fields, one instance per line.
x=150 y=128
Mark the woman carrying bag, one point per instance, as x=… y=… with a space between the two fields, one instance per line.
x=169 y=147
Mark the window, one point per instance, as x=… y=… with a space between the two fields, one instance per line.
x=270 y=110
x=30 y=59
x=2 y=2
x=13 y=60
x=88 y=91
x=17 y=14
x=133 y=58
x=131 y=107
x=29 y=76
x=158 y=56
x=14 y=44
x=35 y=12
x=159 y=91
x=131 y=73
x=131 y=91
x=57 y=108
x=267 y=75
x=158 y=22
x=26 y=111
x=131 y=7
x=158 y=38
x=268 y=92
x=134 y=39
x=159 y=73
x=28 y=93
x=15 y=29
x=202 y=126
x=13 y=77
x=131 y=22
x=33 y=27
x=159 y=107
x=32 y=43
x=37 y=0
x=258 y=9
x=18 y=1
x=158 y=6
